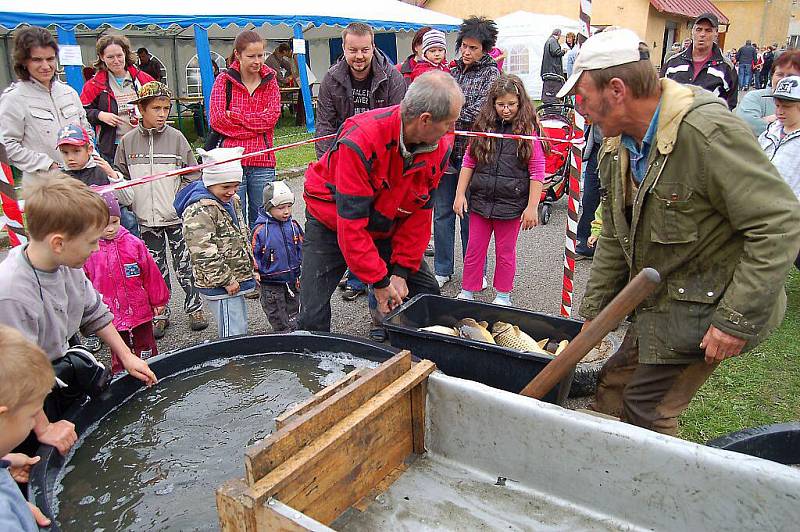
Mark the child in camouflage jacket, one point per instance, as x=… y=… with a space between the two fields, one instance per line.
x=217 y=237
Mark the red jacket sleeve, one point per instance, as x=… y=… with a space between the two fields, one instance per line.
x=266 y=119
x=154 y=285
x=218 y=116
x=354 y=199
x=410 y=240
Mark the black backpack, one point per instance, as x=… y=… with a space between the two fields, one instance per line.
x=215 y=138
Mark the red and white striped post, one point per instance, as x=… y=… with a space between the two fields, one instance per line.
x=12 y=214
x=574 y=196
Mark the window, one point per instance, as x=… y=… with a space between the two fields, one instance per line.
x=193 y=87
x=518 y=60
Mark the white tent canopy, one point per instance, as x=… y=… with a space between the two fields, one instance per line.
x=522 y=36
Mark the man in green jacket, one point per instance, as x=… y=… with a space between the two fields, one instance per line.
x=687 y=191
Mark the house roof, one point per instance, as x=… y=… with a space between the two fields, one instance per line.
x=688 y=8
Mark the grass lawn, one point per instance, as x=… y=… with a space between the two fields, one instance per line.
x=285 y=133
x=757 y=388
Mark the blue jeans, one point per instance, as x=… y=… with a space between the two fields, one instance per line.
x=745 y=75
x=251 y=191
x=231 y=315
x=444 y=225
x=129 y=221
x=354 y=282
x=590 y=199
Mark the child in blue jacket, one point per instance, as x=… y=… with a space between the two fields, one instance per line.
x=277 y=248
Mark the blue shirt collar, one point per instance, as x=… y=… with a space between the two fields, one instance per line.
x=638 y=156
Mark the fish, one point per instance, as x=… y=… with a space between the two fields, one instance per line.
x=511 y=336
x=440 y=329
x=561 y=346
x=474 y=330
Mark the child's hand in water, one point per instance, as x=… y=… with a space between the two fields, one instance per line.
x=530 y=218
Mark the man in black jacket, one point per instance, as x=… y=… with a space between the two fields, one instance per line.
x=745 y=57
x=552 y=54
x=703 y=64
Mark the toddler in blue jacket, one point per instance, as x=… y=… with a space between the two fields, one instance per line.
x=277 y=247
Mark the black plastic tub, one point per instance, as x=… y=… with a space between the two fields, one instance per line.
x=779 y=443
x=44 y=475
x=493 y=365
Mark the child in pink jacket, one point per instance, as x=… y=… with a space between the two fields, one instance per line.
x=127 y=277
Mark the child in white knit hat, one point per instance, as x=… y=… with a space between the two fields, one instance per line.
x=218 y=239
x=278 y=250
x=434 y=55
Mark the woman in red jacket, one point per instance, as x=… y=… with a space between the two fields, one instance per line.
x=245 y=106
x=107 y=96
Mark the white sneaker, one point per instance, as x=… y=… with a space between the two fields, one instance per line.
x=466 y=294
x=442 y=279
x=502 y=300
x=485 y=284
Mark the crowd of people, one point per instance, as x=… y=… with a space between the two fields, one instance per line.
x=673 y=180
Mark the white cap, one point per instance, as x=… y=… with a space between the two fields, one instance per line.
x=604 y=50
x=277 y=193
x=222 y=173
x=787 y=89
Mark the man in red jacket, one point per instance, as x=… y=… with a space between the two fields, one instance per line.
x=368 y=200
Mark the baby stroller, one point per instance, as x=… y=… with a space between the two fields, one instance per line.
x=556 y=120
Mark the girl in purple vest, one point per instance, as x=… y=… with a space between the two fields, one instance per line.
x=504 y=179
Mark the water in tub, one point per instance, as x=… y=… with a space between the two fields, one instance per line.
x=154 y=463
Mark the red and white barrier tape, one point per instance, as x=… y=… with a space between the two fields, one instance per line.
x=12 y=214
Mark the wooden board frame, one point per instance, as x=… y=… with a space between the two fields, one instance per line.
x=331 y=452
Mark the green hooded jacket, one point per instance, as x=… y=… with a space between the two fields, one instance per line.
x=712 y=216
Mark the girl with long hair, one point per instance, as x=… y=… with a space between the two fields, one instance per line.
x=504 y=178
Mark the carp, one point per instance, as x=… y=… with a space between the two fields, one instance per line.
x=474 y=330
x=441 y=329
x=561 y=345
x=511 y=336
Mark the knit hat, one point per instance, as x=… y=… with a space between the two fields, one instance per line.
x=113 y=204
x=433 y=39
x=277 y=193
x=225 y=172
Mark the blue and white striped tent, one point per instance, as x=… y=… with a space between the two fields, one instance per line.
x=306 y=20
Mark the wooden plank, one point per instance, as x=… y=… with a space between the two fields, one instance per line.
x=419 y=394
x=276 y=448
x=303 y=407
x=235 y=507
x=278 y=517
x=349 y=470
x=305 y=461
x=382 y=486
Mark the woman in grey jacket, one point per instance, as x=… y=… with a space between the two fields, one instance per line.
x=34 y=109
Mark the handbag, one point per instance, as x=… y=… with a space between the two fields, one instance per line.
x=79 y=373
x=215 y=138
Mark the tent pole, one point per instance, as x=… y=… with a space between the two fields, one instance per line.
x=204 y=60
x=74 y=72
x=299 y=46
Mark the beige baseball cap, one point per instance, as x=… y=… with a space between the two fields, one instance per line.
x=612 y=47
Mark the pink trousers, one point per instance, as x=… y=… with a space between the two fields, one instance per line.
x=505 y=244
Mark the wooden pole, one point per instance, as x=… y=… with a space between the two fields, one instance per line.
x=593 y=332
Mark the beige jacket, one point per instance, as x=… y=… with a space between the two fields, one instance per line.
x=32 y=117
x=144 y=152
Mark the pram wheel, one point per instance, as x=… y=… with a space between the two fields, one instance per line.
x=544 y=213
